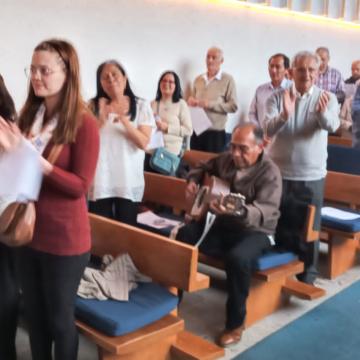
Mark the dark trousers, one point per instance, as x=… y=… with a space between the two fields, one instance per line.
x=49 y=285
x=210 y=141
x=9 y=299
x=239 y=250
x=119 y=209
x=296 y=196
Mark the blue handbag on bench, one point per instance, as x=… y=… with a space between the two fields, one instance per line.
x=164 y=161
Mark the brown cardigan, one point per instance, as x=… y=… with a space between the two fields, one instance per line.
x=261 y=185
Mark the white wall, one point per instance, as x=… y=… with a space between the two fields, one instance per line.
x=150 y=36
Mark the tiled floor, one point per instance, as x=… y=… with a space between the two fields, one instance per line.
x=204 y=315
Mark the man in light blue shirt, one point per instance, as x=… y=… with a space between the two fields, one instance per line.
x=278 y=66
x=298 y=120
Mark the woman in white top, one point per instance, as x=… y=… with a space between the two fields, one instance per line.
x=125 y=124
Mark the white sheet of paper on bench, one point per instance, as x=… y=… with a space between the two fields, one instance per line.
x=156 y=140
x=200 y=120
x=158 y=222
x=21 y=173
x=339 y=214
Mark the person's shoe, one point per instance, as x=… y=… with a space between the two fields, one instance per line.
x=231 y=337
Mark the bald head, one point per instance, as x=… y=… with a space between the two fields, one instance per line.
x=355 y=69
x=246 y=145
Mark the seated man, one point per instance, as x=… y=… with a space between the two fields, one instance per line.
x=239 y=238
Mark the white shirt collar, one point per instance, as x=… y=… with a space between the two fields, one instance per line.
x=217 y=77
x=305 y=95
x=285 y=83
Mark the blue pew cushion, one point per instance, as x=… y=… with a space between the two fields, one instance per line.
x=149 y=302
x=273 y=259
x=349 y=225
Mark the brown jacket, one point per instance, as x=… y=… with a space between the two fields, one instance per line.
x=261 y=185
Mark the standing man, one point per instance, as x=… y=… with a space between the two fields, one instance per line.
x=299 y=120
x=238 y=238
x=215 y=92
x=329 y=79
x=278 y=66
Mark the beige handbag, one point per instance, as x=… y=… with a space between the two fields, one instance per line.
x=17 y=221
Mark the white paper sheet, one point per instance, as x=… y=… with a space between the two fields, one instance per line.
x=200 y=120
x=338 y=214
x=20 y=173
x=156 y=140
x=150 y=219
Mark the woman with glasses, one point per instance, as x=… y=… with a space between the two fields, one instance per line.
x=9 y=137
x=55 y=117
x=126 y=122
x=172 y=115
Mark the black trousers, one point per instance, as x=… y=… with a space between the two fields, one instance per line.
x=9 y=299
x=239 y=250
x=296 y=196
x=49 y=285
x=210 y=141
x=119 y=209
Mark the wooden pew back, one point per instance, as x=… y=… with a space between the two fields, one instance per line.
x=342 y=188
x=338 y=140
x=194 y=157
x=166 y=261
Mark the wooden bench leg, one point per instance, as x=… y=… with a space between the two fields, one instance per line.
x=341 y=255
x=264 y=299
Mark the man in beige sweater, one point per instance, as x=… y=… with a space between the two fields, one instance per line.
x=215 y=92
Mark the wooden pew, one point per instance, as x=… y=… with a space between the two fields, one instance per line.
x=193 y=157
x=339 y=140
x=271 y=288
x=167 y=262
x=344 y=190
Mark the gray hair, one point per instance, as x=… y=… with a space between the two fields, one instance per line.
x=304 y=55
x=218 y=50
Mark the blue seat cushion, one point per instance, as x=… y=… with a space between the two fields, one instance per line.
x=274 y=258
x=149 y=302
x=340 y=224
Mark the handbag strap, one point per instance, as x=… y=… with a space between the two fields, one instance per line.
x=54 y=153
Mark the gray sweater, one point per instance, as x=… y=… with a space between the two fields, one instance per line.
x=299 y=145
x=260 y=184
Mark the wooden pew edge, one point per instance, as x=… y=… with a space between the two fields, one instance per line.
x=126 y=343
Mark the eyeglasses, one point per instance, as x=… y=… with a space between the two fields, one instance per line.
x=168 y=82
x=44 y=71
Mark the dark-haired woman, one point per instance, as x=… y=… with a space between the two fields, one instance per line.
x=55 y=117
x=9 y=136
x=125 y=124
x=172 y=113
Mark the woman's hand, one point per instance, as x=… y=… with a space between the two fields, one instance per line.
x=10 y=135
x=162 y=125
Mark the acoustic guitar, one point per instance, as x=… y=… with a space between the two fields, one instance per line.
x=214 y=188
